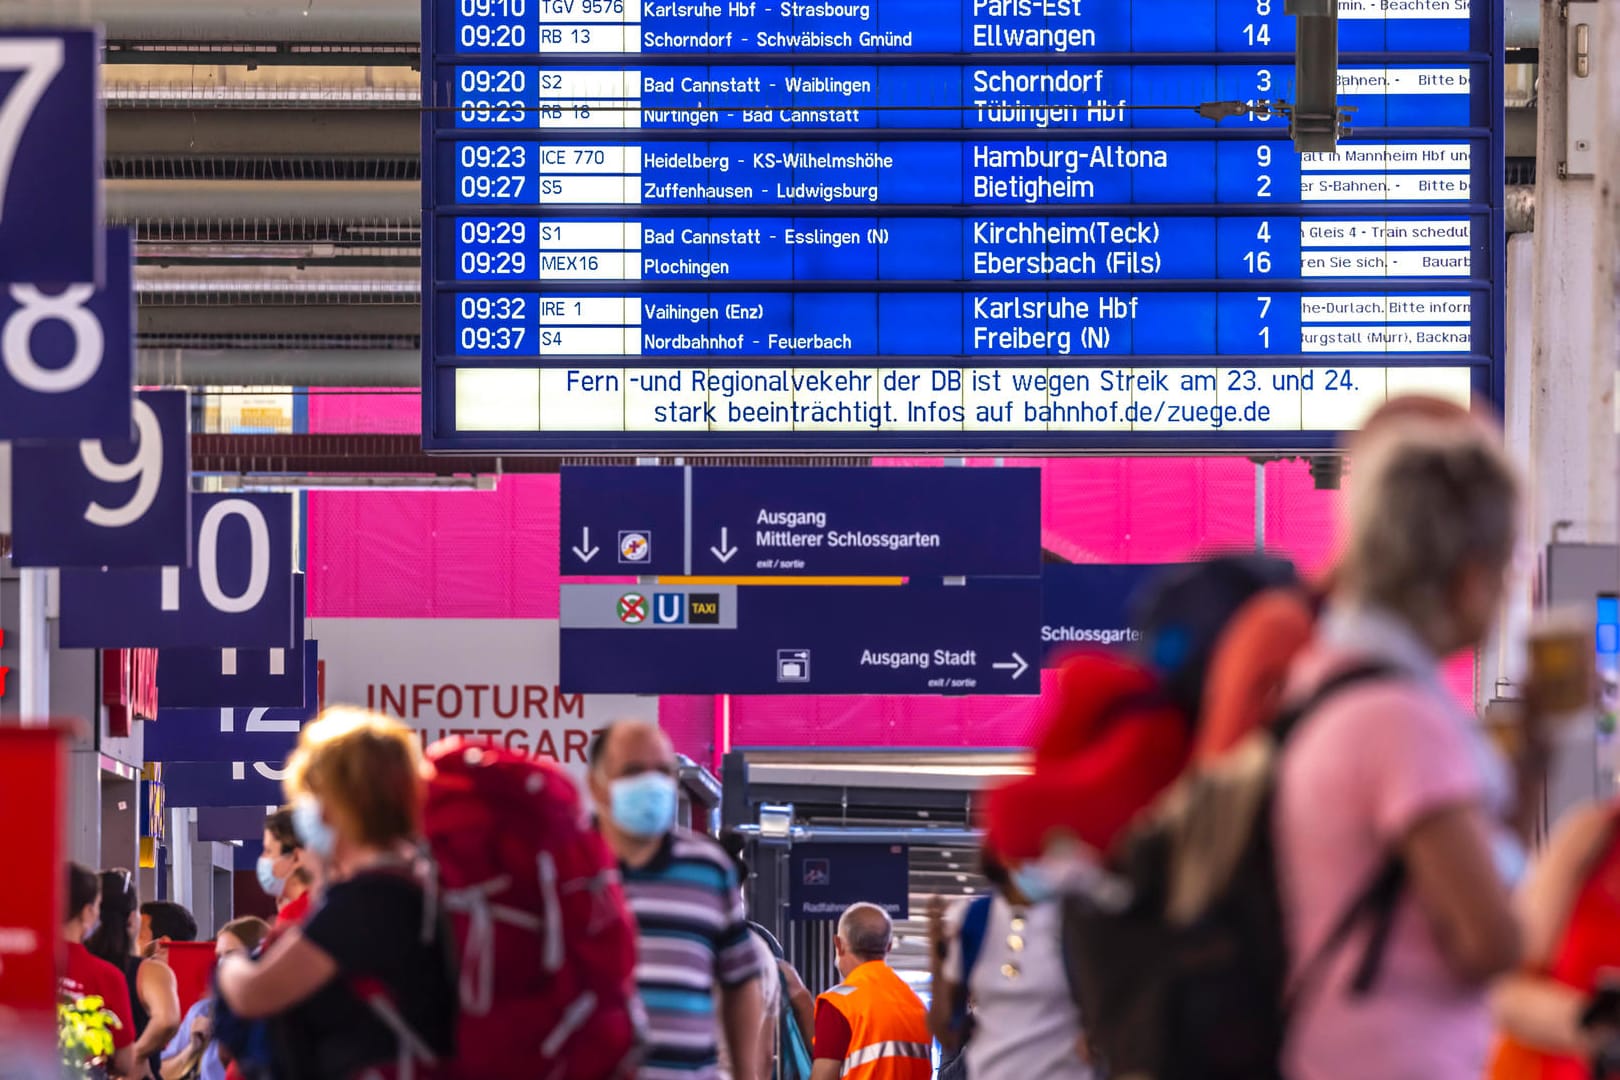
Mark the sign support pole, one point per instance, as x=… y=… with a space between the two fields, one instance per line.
x=1260 y=506
x=34 y=652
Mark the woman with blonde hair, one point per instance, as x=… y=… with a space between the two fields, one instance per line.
x=1389 y=782
x=366 y=982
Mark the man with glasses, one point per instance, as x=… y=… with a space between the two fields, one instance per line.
x=692 y=931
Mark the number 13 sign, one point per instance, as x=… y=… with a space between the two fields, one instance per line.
x=108 y=503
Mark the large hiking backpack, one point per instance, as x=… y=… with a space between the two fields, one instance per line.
x=1120 y=727
x=1188 y=978
x=546 y=941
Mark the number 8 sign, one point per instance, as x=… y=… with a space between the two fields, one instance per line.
x=67 y=354
x=125 y=503
x=238 y=595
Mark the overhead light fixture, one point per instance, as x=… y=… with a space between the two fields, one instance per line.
x=272 y=482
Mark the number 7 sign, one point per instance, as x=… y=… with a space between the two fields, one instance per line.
x=237 y=595
x=51 y=143
x=125 y=503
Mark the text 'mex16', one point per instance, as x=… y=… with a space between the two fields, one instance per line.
x=238 y=593
x=119 y=503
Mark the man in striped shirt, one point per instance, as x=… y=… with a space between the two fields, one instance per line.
x=693 y=934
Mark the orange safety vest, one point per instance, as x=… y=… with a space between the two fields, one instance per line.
x=888 y=1026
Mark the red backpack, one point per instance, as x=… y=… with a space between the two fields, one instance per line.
x=546 y=941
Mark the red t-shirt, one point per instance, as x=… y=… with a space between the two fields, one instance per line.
x=832 y=1033
x=293 y=913
x=88 y=976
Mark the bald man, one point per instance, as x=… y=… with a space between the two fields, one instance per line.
x=693 y=942
x=871 y=1026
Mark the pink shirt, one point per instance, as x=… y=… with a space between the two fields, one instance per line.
x=1356 y=777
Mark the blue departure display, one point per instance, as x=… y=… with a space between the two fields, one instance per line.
x=643 y=212
x=1011 y=96
x=935 y=26
x=986 y=249
x=938 y=173
x=1061 y=324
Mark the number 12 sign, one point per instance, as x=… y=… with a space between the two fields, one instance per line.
x=51 y=140
x=125 y=503
x=238 y=593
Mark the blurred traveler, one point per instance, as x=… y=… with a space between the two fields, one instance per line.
x=1390 y=788
x=1003 y=954
x=788 y=1007
x=86 y=975
x=163 y=922
x=284 y=869
x=154 y=995
x=193 y=1054
x=693 y=936
x=871 y=1026
x=1561 y=1012
x=365 y=984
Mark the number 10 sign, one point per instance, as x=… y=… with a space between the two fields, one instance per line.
x=237 y=594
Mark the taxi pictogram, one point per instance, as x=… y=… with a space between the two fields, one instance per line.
x=633 y=609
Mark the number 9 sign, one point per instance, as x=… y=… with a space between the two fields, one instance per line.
x=67 y=354
x=110 y=503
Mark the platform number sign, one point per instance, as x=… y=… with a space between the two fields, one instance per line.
x=238 y=592
x=67 y=353
x=124 y=503
x=51 y=143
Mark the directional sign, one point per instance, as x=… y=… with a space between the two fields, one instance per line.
x=1089 y=606
x=212 y=678
x=628 y=521
x=980 y=638
x=949 y=225
x=237 y=595
x=227 y=734
x=797 y=521
x=67 y=352
x=227 y=823
x=51 y=156
x=222 y=783
x=825 y=879
x=124 y=503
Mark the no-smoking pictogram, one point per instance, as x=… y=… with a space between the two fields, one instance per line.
x=632 y=608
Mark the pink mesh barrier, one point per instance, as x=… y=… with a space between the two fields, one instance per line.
x=495 y=555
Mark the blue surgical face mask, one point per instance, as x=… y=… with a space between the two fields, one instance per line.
x=644 y=805
x=311 y=828
x=1033 y=882
x=268 y=881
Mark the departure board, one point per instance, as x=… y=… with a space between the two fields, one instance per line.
x=948 y=225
